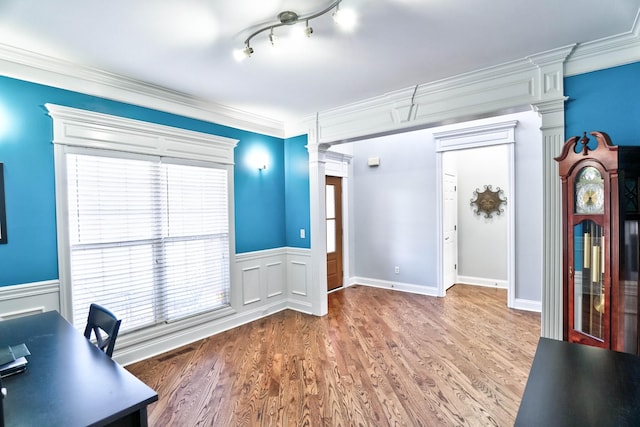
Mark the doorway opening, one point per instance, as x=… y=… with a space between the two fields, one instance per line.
x=493 y=134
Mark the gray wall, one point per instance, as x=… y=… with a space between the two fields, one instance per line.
x=482 y=242
x=392 y=207
x=529 y=207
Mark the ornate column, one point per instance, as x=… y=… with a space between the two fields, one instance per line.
x=550 y=106
x=318 y=279
x=552 y=115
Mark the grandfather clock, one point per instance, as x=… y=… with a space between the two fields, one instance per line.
x=601 y=213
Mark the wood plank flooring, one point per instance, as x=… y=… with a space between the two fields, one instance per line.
x=379 y=358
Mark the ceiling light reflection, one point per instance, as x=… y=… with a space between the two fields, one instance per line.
x=346 y=19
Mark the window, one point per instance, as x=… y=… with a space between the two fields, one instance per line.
x=148 y=239
x=144 y=218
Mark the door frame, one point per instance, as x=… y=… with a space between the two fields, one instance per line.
x=501 y=132
x=453 y=173
x=339 y=165
x=339 y=234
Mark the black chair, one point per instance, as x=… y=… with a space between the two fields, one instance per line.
x=102 y=321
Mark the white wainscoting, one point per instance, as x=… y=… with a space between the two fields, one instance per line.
x=268 y=282
x=261 y=276
x=299 y=279
x=30 y=298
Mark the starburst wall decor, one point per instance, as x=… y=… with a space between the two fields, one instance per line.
x=488 y=201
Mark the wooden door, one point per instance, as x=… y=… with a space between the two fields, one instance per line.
x=333 y=191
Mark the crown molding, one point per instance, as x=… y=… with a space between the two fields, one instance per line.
x=494 y=89
x=388 y=112
x=46 y=70
x=533 y=80
x=608 y=52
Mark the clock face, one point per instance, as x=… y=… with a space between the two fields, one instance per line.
x=589 y=194
x=590 y=199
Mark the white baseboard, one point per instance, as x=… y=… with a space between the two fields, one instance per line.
x=134 y=352
x=520 y=304
x=301 y=306
x=527 y=305
x=482 y=281
x=398 y=286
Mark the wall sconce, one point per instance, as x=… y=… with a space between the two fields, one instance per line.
x=258 y=158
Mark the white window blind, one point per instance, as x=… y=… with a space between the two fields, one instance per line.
x=148 y=237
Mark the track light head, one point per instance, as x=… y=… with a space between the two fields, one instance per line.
x=272 y=38
x=308 y=30
x=242 y=54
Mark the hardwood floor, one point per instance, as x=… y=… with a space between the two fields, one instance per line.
x=379 y=358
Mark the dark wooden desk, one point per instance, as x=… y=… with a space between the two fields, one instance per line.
x=68 y=381
x=578 y=385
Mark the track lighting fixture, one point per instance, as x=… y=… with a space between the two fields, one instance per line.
x=288 y=17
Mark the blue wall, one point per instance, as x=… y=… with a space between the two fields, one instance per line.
x=296 y=177
x=259 y=194
x=27 y=153
x=606 y=100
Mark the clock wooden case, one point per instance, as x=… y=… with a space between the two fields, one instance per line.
x=601 y=214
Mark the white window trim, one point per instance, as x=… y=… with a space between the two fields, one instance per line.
x=80 y=128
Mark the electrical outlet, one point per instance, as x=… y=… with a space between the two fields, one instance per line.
x=302 y=233
x=397 y=270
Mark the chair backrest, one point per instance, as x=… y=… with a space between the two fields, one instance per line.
x=105 y=326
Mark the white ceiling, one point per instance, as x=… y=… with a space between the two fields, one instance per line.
x=187 y=45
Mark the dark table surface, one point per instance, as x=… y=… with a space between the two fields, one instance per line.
x=68 y=381
x=578 y=385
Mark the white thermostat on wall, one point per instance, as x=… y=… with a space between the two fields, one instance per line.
x=373 y=161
